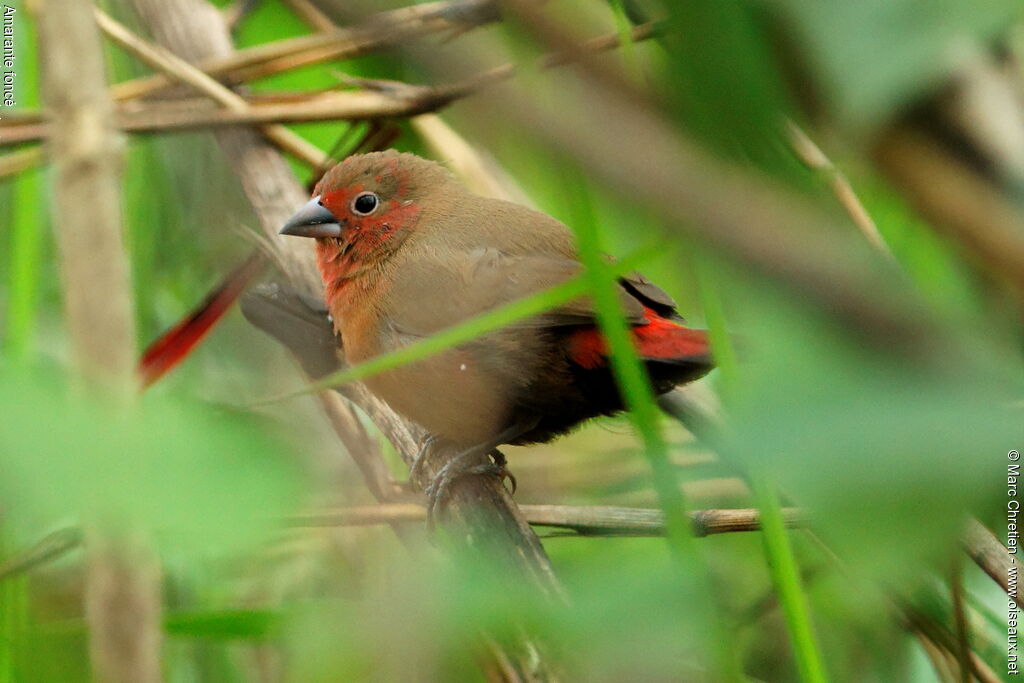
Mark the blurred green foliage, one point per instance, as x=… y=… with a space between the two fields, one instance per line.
x=889 y=457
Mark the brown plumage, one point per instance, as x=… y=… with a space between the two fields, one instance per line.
x=406 y=251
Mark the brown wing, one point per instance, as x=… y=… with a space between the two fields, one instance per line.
x=430 y=295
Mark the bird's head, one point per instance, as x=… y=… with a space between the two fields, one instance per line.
x=369 y=202
x=364 y=208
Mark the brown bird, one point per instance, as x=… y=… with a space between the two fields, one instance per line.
x=406 y=251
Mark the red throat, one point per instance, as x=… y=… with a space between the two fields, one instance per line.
x=366 y=243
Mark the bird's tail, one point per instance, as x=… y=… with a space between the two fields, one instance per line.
x=173 y=346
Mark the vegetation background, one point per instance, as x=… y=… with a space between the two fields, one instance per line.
x=864 y=307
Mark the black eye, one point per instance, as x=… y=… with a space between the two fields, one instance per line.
x=365 y=204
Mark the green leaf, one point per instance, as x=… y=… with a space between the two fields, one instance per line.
x=888 y=457
x=228 y=624
x=203 y=473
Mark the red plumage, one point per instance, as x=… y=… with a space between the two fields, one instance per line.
x=174 y=345
x=659 y=339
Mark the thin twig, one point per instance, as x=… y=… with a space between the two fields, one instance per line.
x=50 y=547
x=376 y=33
x=962 y=630
x=378 y=99
x=22 y=160
x=479 y=172
x=595 y=521
x=989 y=553
x=582 y=520
x=811 y=155
x=180 y=70
x=311 y=14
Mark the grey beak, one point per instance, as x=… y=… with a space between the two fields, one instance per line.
x=312 y=220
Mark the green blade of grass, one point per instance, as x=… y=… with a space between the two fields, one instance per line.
x=26 y=250
x=786 y=576
x=28 y=221
x=628 y=369
x=228 y=624
x=14 y=618
x=638 y=395
x=778 y=550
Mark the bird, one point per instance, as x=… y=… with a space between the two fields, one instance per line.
x=405 y=251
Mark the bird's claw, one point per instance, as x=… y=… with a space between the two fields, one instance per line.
x=439 y=489
x=501 y=471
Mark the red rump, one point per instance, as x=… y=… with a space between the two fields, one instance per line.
x=659 y=338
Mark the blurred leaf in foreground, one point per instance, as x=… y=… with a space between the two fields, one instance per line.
x=875 y=56
x=201 y=472
x=890 y=456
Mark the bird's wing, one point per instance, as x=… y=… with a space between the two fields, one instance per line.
x=651 y=295
x=432 y=294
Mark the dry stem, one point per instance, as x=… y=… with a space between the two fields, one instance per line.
x=581 y=520
x=122 y=585
x=180 y=70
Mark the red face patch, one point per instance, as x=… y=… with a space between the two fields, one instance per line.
x=365 y=239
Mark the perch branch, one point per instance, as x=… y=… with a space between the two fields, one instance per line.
x=582 y=520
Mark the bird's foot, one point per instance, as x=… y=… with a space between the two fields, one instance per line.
x=501 y=467
x=458 y=467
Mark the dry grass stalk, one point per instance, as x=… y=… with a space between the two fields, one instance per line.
x=989 y=553
x=377 y=32
x=311 y=14
x=983 y=219
x=812 y=156
x=582 y=520
x=122 y=585
x=379 y=99
x=85 y=151
x=168 y=63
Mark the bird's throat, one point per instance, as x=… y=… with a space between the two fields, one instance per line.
x=344 y=267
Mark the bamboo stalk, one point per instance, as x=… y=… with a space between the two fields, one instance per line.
x=122 y=587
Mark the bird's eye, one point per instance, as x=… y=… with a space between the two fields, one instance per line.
x=365 y=204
